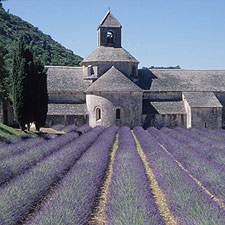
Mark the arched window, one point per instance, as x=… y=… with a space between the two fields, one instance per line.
x=109 y=37
x=98 y=114
x=118 y=114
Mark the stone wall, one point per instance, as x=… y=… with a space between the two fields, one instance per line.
x=164 y=120
x=127 y=68
x=77 y=98
x=188 y=111
x=102 y=37
x=78 y=120
x=130 y=105
x=221 y=97
x=206 y=118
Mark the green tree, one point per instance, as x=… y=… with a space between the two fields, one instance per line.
x=29 y=88
x=40 y=95
x=22 y=85
x=3 y=75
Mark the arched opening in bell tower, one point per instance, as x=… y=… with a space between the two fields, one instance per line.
x=109 y=37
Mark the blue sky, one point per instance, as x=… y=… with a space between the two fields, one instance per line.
x=189 y=33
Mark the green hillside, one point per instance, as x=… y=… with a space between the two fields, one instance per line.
x=50 y=51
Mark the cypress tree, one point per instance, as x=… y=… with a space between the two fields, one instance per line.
x=41 y=95
x=3 y=74
x=29 y=88
x=23 y=85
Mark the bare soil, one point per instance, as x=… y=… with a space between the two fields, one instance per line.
x=51 y=131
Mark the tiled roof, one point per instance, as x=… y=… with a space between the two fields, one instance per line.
x=202 y=99
x=109 y=21
x=67 y=109
x=109 y=54
x=113 y=80
x=66 y=79
x=176 y=107
x=186 y=80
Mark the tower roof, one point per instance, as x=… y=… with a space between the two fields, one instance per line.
x=113 y=81
x=109 y=21
x=109 y=54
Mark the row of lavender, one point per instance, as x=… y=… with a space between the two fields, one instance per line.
x=72 y=201
x=24 y=143
x=203 y=142
x=129 y=199
x=186 y=199
x=71 y=127
x=15 y=164
x=25 y=191
x=205 y=163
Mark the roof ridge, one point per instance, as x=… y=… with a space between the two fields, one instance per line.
x=188 y=69
x=106 y=16
x=113 y=80
x=63 y=67
x=109 y=54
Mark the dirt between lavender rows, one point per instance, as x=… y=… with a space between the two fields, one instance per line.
x=51 y=131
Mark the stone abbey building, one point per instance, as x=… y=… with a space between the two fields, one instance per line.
x=108 y=88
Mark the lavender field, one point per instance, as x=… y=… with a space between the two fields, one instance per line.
x=114 y=176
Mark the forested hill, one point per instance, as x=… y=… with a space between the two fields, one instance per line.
x=50 y=51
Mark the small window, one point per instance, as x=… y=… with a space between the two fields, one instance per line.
x=206 y=125
x=109 y=37
x=118 y=114
x=98 y=114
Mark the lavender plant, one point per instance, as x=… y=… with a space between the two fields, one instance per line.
x=213 y=143
x=10 y=139
x=210 y=134
x=26 y=190
x=129 y=199
x=212 y=154
x=73 y=199
x=58 y=126
x=83 y=129
x=186 y=200
x=70 y=128
x=209 y=174
x=12 y=166
x=19 y=147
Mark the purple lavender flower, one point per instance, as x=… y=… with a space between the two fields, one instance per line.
x=186 y=200
x=8 y=150
x=23 y=192
x=129 y=199
x=210 y=174
x=73 y=199
x=70 y=128
x=58 y=126
x=16 y=164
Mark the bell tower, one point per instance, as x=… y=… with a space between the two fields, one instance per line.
x=109 y=31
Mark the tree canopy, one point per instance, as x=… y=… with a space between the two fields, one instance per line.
x=3 y=74
x=29 y=88
x=42 y=45
x=165 y=67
